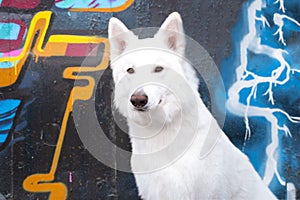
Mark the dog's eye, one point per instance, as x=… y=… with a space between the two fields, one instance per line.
x=130 y=70
x=158 y=69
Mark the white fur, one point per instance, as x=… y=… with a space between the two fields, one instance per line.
x=223 y=172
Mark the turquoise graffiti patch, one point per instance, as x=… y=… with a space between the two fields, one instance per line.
x=9 y=31
x=90 y=3
x=7 y=64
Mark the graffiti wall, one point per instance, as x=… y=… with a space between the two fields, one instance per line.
x=46 y=45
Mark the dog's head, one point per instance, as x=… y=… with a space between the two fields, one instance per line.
x=144 y=69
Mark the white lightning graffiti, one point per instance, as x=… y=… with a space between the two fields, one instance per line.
x=278 y=20
x=246 y=79
x=281 y=5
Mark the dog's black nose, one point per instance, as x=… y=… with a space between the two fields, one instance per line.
x=139 y=101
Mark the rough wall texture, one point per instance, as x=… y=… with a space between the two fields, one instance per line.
x=42 y=42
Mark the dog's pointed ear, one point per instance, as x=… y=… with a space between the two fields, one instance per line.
x=117 y=37
x=173 y=32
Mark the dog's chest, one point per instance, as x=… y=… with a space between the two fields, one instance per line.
x=169 y=183
x=181 y=180
x=189 y=178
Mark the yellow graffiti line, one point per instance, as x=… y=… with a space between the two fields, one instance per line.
x=57 y=44
x=38 y=183
x=43 y=182
x=115 y=9
x=74 y=39
x=39 y=24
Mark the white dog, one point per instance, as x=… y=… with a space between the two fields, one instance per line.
x=178 y=149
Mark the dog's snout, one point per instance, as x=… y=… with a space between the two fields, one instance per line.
x=139 y=101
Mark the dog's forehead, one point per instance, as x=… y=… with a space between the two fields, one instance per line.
x=152 y=42
x=142 y=57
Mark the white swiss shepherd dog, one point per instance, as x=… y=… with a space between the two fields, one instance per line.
x=210 y=167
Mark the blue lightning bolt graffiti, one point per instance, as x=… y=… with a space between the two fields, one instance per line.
x=265 y=68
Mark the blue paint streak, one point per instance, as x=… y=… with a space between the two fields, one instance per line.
x=3 y=138
x=6 y=126
x=8 y=109
x=8 y=105
x=9 y=31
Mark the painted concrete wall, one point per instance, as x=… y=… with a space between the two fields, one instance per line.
x=254 y=44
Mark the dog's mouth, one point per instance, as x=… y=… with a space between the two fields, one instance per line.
x=145 y=108
x=142 y=109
